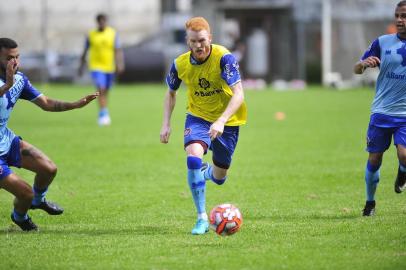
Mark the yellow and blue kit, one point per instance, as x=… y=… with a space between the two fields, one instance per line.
x=102 y=46
x=209 y=92
x=208 y=84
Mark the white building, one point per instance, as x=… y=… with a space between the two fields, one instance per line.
x=60 y=25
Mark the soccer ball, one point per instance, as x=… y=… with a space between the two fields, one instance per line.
x=225 y=219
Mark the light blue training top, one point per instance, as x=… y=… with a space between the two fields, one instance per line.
x=21 y=88
x=390 y=96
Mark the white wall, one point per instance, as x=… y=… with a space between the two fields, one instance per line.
x=67 y=21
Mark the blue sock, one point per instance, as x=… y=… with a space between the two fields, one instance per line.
x=39 y=195
x=218 y=181
x=103 y=112
x=208 y=175
x=371 y=180
x=19 y=217
x=402 y=168
x=197 y=183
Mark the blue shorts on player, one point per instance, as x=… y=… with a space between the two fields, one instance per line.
x=102 y=80
x=382 y=128
x=12 y=158
x=197 y=131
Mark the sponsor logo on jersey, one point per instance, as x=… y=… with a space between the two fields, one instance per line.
x=393 y=75
x=208 y=93
x=14 y=92
x=203 y=83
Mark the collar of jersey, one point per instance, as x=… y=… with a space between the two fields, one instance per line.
x=401 y=39
x=193 y=61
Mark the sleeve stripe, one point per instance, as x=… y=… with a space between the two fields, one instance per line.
x=36 y=97
x=234 y=83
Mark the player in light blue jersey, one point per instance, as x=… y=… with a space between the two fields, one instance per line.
x=14 y=151
x=388 y=113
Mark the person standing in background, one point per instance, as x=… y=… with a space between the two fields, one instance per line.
x=105 y=59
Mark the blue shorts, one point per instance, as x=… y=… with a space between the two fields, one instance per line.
x=102 y=80
x=12 y=158
x=381 y=129
x=197 y=131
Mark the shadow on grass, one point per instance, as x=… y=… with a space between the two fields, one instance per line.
x=335 y=217
x=93 y=231
x=303 y=217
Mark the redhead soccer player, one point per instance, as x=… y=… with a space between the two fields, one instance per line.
x=215 y=111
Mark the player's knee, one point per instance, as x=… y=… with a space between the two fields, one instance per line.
x=195 y=147
x=29 y=196
x=51 y=169
x=375 y=160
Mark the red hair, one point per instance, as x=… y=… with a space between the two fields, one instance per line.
x=197 y=24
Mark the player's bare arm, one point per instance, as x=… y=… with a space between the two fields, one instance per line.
x=169 y=105
x=217 y=128
x=12 y=67
x=82 y=61
x=119 y=55
x=369 y=62
x=51 y=105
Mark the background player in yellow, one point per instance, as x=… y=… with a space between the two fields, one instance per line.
x=215 y=110
x=105 y=58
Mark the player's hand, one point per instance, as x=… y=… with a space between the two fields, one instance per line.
x=165 y=133
x=371 y=62
x=216 y=129
x=11 y=69
x=86 y=100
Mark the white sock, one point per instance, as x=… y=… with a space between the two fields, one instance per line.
x=202 y=216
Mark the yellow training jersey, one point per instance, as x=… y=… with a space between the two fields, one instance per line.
x=208 y=93
x=102 y=46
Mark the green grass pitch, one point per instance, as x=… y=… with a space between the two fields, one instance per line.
x=299 y=184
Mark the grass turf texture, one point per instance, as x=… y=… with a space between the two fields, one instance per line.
x=299 y=184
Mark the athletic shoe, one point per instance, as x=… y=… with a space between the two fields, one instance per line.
x=49 y=207
x=25 y=225
x=400 y=182
x=201 y=227
x=369 y=209
x=104 y=120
